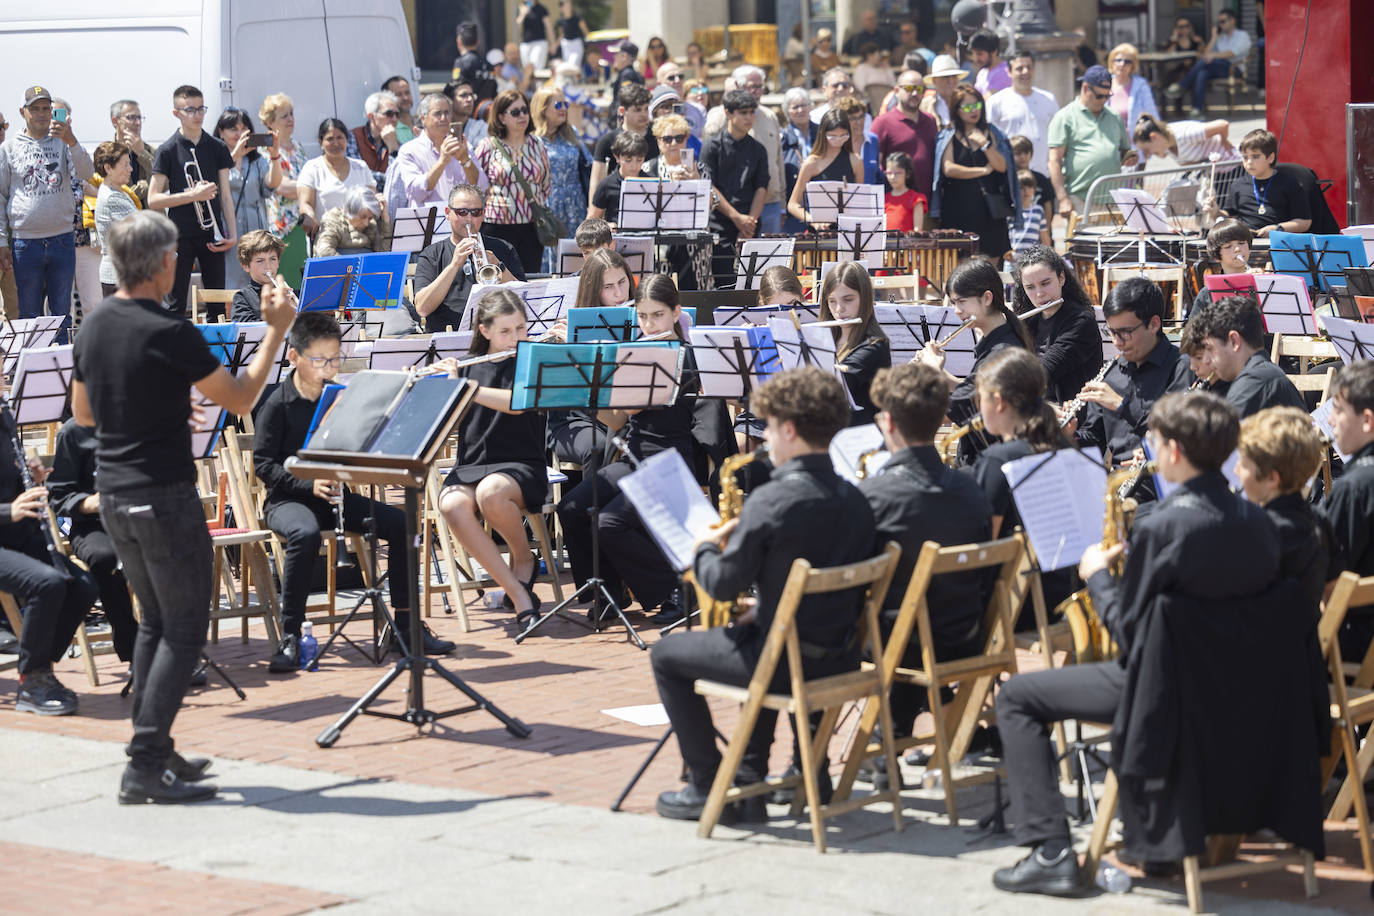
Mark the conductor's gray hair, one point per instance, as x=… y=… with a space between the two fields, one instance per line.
x=137 y=244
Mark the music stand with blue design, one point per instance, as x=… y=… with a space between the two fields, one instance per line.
x=1318 y=259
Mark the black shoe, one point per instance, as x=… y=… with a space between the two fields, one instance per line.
x=986 y=742
x=670 y=611
x=874 y=770
x=139 y=788
x=288 y=656
x=1036 y=875
x=785 y=796
x=9 y=643
x=198 y=677
x=601 y=615
x=683 y=805
x=188 y=769
x=430 y=644
x=41 y=693
x=509 y=603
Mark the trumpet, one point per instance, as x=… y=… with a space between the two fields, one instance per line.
x=487 y=272
x=205 y=214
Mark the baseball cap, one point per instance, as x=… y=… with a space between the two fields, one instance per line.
x=1098 y=76
x=661 y=95
x=34 y=93
x=629 y=47
x=945 y=65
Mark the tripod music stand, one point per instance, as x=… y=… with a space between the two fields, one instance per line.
x=594 y=376
x=394 y=445
x=19 y=334
x=416 y=228
x=827 y=200
x=757 y=255
x=862 y=238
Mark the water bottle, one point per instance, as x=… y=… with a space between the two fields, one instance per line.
x=1112 y=879
x=309 y=646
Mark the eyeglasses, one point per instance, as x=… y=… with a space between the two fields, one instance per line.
x=846 y=84
x=673 y=138
x=319 y=362
x=971 y=107
x=674 y=78
x=559 y=106
x=517 y=112
x=194 y=110
x=136 y=119
x=1124 y=333
x=466 y=211
x=390 y=113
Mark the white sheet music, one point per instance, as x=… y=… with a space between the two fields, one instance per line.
x=826 y=200
x=757 y=255
x=848 y=444
x=743 y=316
x=205 y=436
x=546 y=301
x=806 y=345
x=671 y=505
x=21 y=333
x=909 y=327
x=1322 y=417
x=716 y=362
x=411 y=227
x=645 y=376
x=871 y=234
x=42 y=380
x=650 y=203
x=1353 y=340
x=1228 y=470
x=1109 y=348
x=1285 y=304
x=1142 y=212
x=1060 y=496
x=401 y=353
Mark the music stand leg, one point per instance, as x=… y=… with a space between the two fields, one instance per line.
x=210 y=663
x=373 y=594
x=639 y=773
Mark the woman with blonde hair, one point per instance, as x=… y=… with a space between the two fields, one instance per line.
x=1131 y=92
x=570 y=165
x=278 y=114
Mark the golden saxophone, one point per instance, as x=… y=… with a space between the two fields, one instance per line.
x=949 y=446
x=719 y=612
x=1091 y=641
x=861 y=471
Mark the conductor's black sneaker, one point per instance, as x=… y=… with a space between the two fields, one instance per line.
x=288 y=655
x=1058 y=877
x=41 y=693
x=137 y=787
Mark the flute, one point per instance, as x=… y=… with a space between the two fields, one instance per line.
x=1023 y=316
x=836 y=323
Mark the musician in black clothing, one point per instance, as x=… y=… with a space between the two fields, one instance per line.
x=1349 y=507
x=629 y=556
x=861 y=348
x=1280 y=449
x=915 y=499
x=803 y=409
x=1228 y=337
x=53 y=602
x=446 y=271
x=298 y=510
x=71 y=486
x=1202 y=542
x=1118 y=407
x=1066 y=335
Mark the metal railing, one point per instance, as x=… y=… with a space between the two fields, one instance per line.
x=1182 y=193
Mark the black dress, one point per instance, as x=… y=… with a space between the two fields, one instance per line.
x=841 y=169
x=858 y=368
x=492 y=442
x=962 y=205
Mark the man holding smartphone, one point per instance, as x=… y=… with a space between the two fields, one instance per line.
x=38 y=169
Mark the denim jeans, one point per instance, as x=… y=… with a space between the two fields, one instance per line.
x=1199 y=74
x=161 y=537
x=44 y=269
x=770 y=220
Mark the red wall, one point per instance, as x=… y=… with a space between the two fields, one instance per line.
x=1326 y=80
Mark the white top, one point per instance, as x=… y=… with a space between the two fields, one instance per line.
x=1014 y=113
x=330 y=192
x=1195 y=146
x=866 y=75
x=1238 y=43
x=111 y=206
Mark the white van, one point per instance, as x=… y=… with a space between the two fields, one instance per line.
x=328 y=55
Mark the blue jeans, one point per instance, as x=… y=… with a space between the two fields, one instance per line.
x=770 y=220
x=1200 y=74
x=44 y=268
x=161 y=537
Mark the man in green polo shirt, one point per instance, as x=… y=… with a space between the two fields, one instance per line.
x=1087 y=140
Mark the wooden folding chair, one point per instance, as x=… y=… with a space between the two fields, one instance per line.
x=976 y=675
x=253 y=569
x=826 y=695
x=200 y=298
x=11 y=609
x=1351 y=706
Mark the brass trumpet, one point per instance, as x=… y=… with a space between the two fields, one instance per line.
x=487 y=272
x=205 y=214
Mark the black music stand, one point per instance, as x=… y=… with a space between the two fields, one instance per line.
x=725 y=356
x=596 y=385
x=1320 y=259
x=1354 y=340
x=416 y=228
x=42 y=385
x=1285 y=311
x=837 y=198
x=397 y=448
x=757 y=255
x=854 y=235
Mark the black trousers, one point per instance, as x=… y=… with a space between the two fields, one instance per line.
x=724 y=262
x=728 y=655
x=190 y=250
x=51 y=606
x=580 y=440
x=909 y=700
x=160 y=535
x=95 y=548
x=300 y=524
x=629 y=556
x=1026 y=707
x=523 y=238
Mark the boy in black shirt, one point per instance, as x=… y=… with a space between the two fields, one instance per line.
x=259 y=252
x=187 y=202
x=1227 y=338
x=803 y=408
x=298 y=509
x=738 y=166
x=629 y=150
x=1349 y=507
x=634 y=119
x=1266 y=199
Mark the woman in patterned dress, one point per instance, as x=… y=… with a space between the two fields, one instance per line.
x=517 y=167
x=568 y=162
x=278 y=114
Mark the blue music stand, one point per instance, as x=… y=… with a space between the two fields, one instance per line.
x=1318 y=259
x=347 y=282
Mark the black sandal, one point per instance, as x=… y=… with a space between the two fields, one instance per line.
x=529 y=587
x=530 y=615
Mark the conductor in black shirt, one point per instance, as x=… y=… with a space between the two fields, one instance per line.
x=1228 y=337
x=1202 y=542
x=803 y=409
x=134 y=366
x=446 y=271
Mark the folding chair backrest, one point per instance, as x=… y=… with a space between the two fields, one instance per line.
x=1350 y=592
x=236 y=445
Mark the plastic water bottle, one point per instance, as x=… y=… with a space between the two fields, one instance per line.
x=1112 y=879
x=309 y=646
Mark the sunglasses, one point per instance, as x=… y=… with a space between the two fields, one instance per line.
x=466 y=211
x=843 y=85
x=390 y=113
x=675 y=78
x=517 y=112
x=909 y=87
x=1101 y=96
x=559 y=106
x=673 y=138
x=700 y=90
x=971 y=107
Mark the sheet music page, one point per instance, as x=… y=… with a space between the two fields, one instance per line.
x=1060 y=496
x=41 y=385
x=1228 y=470
x=872 y=237
x=601 y=323
x=715 y=353
x=1353 y=340
x=568 y=259
x=756 y=315
x=848 y=444
x=205 y=436
x=757 y=255
x=804 y=346
x=1109 y=348
x=649 y=203
x=546 y=301
x=826 y=200
x=902 y=341
x=1141 y=211
x=671 y=505
x=1322 y=417
x=409 y=225
x=1285 y=304
x=638 y=252
x=936 y=322
x=646 y=374
x=396 y=354
x=21 y=333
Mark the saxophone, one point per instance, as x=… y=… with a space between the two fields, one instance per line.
x=719 y=612
x=949 y=446
x=1091 y=641
x=861 y=471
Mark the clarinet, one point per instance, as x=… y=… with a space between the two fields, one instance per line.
x=340 y=541
x=26 y=479
x=1073 y=407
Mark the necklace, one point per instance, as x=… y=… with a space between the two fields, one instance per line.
x=1260 y=198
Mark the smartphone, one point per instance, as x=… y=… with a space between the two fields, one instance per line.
x=456 y=131
x=59 y=114
x=687 y=157
x=677 y=108
x=256 y=140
